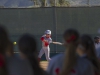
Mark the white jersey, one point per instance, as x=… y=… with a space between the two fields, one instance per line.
x=46 y=44
x=97 y=46
x=82 y=67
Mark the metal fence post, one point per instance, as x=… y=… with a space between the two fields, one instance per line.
x=55 y=26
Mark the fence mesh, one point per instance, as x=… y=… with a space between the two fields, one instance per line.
x=36 y=21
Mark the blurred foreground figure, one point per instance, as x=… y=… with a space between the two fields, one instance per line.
x=97 y=46
x=9 y=63
x=28 y=52
x=86 y=49
x=69 y=63
x=3 y=46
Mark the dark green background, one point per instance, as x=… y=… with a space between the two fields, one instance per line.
x=37 y=20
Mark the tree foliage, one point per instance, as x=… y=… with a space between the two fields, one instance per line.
x=64 y=3
x=35 y=2
x=52 y=2
x=43 y=3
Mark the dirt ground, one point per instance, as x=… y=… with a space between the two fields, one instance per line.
x=44 y=64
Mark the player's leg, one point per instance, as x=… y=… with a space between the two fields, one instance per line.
x=47 y=54
x=40 y=54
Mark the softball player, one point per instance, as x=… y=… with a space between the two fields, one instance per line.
x=46 y=40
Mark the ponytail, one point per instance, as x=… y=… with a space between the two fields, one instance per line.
x=37 y=70
x=69 y=60
x=93 y=58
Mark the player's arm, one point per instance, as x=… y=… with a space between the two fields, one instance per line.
x=57 y=43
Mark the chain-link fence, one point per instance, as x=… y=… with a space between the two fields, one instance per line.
x=36 y=21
